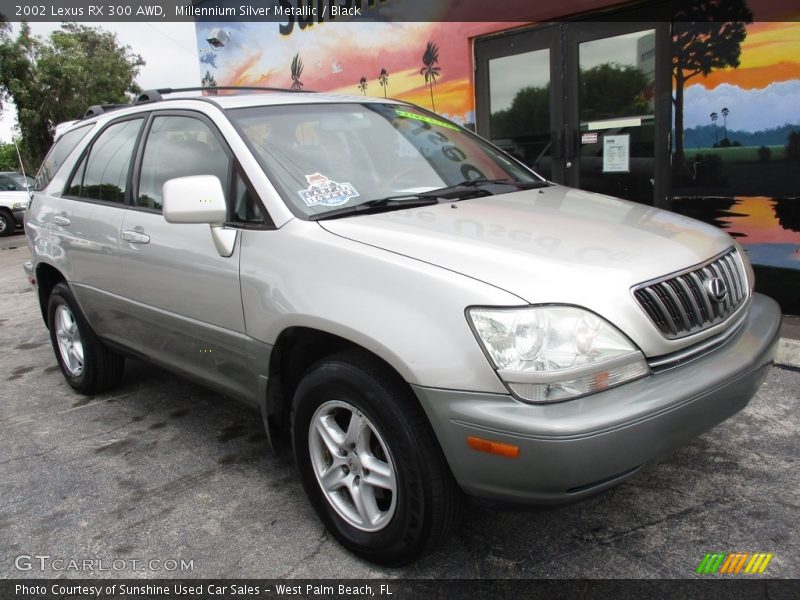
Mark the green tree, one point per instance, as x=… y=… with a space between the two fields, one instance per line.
x=528 y=114
x=56 y=79
x=714 y=118
x=8 y=157
x=707 y=35
x=430 y=71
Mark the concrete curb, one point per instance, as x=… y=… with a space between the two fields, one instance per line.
x=788 y=354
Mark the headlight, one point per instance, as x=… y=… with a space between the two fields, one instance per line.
x=20 y=206
x=550 y=353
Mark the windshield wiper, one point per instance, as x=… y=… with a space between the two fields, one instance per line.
x=379 y=205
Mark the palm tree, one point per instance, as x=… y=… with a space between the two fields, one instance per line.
x=297 y=71
x=714 y=117
x=383 y=79
x=209 y=82
x=429 y=71
x=362 y=85
x=725 y=112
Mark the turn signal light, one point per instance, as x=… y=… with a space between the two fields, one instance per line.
x=498 y=448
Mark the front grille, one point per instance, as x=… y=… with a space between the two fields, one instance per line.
x=680 y=304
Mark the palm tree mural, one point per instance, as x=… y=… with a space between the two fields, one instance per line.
x=383 y=79
x=725 y=112
x=714 y=118
x=297 y=71
x=362 y=85
x=209 y=82
x=430 y=71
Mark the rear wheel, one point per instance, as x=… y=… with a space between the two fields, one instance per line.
x=370 y=462
x=87 y=364
x=7 y=223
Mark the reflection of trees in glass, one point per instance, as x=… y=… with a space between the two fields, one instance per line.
x=612 y=90
x=529 y=113
x=788 y=212
x=103 y=191
x=707 y=35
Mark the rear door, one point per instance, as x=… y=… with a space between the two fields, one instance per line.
x=85 y=222
x=183 y=301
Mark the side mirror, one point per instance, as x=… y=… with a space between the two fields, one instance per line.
x=200 y=200
x=197 y=199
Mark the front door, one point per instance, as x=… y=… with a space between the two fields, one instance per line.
x=585 y=104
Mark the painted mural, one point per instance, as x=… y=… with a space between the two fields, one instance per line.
x=429 y=64
x=736 y=159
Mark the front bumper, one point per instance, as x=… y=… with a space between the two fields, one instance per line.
x=19 y=216
x=576 y=448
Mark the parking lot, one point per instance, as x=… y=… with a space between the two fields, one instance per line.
x=161 y=469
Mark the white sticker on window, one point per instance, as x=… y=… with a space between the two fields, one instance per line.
x=321 y=191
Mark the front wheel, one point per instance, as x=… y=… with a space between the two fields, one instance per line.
x=88 y=365
x=370 y=462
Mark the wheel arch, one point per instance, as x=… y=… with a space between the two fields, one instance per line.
x=295 y=350
x=47 y=277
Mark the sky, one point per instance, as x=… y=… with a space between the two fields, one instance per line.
x=761 y=92
x=169 y=49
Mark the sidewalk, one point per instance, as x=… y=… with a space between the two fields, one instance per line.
x=788 y=354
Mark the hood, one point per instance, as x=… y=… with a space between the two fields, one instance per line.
x=552 y=245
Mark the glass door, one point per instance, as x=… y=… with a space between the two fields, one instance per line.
x=518 y=87
x=611 y=69
x=584 y=103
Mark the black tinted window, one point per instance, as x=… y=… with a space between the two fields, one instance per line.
x=245 y=205
x=58 y=154
x=179 y=147
x=104 y=173
x=7 y=184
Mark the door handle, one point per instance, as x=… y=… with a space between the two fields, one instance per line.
x=135 y=237
x=61 y=220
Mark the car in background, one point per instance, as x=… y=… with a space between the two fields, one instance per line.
x=13 y=201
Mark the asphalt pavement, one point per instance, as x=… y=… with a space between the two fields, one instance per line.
x=163 y=470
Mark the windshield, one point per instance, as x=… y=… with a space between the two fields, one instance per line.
x=323 y=157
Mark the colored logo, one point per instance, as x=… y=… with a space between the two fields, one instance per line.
x=324 y=192
x=734 y=563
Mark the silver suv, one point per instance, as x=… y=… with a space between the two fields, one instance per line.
x=423 y=314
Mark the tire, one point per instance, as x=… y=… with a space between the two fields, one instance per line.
x=396 y=448
x=87 y=364
x=7 y=223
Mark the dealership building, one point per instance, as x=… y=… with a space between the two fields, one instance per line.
x=689 y=106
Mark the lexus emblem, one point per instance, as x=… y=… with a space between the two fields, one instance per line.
x=716 y=288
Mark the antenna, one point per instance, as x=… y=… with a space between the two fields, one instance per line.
x=22 y=167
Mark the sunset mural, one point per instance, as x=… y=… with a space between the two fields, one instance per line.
x=336 y=56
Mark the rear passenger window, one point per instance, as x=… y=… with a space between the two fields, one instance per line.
x=58 y=154
x=103 y=173
x=179 y=147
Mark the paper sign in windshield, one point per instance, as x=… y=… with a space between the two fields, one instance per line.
x=321 y=191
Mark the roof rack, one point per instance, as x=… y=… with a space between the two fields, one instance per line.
x=99 y=109
x=158 y=94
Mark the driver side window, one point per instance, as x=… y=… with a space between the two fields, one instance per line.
x=179 y=146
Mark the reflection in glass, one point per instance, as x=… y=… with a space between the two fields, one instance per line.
x=616 y=109
x=519 y=104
